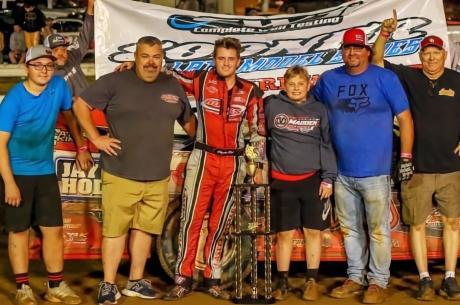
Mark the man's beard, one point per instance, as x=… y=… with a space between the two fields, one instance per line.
x=61 y=61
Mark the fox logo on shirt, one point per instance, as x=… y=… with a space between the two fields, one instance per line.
x=353 y=98
x=353 y=104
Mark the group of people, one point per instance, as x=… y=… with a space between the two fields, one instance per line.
x=335 y=136
x=30 y=28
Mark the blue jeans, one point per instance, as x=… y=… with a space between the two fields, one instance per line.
x=356 y=199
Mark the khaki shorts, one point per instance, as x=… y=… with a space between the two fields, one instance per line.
x=417 y=196
x=133 y=204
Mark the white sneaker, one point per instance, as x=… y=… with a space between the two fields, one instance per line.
x=63 y=294
x=25 y=296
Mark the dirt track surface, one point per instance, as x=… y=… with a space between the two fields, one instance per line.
x=84 y=276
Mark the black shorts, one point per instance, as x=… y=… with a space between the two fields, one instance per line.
x=297 y=204
x=40 y=205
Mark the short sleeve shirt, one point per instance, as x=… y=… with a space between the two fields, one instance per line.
x=361 y=113
x=435 y=108
x=142 y=116
x=31 y=122
x=18 y=41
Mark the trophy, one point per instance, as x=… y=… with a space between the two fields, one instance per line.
x=252 y=153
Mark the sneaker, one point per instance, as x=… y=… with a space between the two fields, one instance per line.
x=217 y=292
x=310 y=292
x=449 y=289
x=426 y=290
x=108 y=294
x=62 y=294
x=281 y=292
x=375 y=294
x=213 y=288
x=142 y=289
x=178 y=292
x=349 y=289
x=25 y=296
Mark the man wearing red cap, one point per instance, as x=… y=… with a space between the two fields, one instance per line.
x=362 y=100
x=433 y=93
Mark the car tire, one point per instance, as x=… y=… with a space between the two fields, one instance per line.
x=167 y=248
x=291 y=10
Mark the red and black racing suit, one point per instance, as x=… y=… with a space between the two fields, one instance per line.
x=216 y=163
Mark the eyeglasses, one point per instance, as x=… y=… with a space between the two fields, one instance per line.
x=39 y=67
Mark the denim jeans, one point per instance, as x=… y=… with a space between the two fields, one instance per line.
x=357 y=199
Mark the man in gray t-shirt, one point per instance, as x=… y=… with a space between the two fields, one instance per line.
x=69 y=57
x=141 y=115
x=17 y=46
x=141 y=106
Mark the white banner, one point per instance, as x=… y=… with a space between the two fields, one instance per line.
x=271 y=44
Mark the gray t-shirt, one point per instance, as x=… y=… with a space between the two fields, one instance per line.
x=71 y=71
x=141 y=115
x=18 y=41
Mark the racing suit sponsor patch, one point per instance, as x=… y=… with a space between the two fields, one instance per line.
x=212 y=89
x=212 y=105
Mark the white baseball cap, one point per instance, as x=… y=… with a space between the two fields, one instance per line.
x=39 y=51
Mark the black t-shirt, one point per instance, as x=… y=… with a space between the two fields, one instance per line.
x=435 y=108
x=141 y=115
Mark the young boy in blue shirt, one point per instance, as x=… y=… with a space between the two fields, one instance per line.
x=28 y=180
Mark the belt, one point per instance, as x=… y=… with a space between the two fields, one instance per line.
x=219 y=151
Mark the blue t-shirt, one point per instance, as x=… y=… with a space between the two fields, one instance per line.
x=31 y=121
x=361 y=114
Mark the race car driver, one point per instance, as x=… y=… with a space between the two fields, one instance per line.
x=223 y=101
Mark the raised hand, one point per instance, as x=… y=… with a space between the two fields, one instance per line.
x=390 y=25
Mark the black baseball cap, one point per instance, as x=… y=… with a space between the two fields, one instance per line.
x=55 y=40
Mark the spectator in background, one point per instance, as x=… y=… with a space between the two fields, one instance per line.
x=17 y=46
x=70 y=57
x=48 y=29
x=32 y=20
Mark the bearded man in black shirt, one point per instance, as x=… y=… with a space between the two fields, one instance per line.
x=434 y=98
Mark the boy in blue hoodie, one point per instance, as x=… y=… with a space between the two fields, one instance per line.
x=303 y=168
